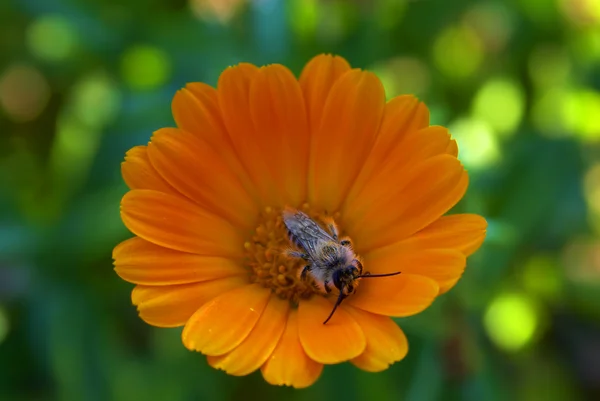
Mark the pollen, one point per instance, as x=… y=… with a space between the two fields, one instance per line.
x=269 y=264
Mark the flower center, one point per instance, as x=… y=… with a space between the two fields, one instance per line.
x=268 y=262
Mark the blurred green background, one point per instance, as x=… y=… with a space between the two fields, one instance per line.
x=517 y=81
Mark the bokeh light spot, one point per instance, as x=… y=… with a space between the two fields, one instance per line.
x=145 y=67
x=403 y=75
x=52 y=38
x=501 y=103
x=477 y=143
x=24 y=92
x=580 y=111
x=220 y=10
x=458 y=52
x=96 y=99
x=541 y=276
x=511 y=321
x=493 y=23
x=582 y=12
x=303 y=16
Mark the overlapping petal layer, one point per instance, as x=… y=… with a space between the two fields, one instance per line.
x=339 y=340
x=142 y=262
x=223 y=323
x=173 y=305
x=176 y=223
x=386 y=343
x=176 y=155
x=289 y=364
x=445 y=266
x=260 y=343
x=401 y=295
x=349 y=124
x=138 y=172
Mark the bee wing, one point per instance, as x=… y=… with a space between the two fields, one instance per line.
x=304 y=232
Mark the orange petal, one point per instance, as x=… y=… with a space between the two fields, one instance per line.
x=414 y=149
x=289 y=365
x=141 y=262
x=462 y=232
x=223 y=323
x=252 y=353
x=402 y=295
x=339 y=340
x=200 y=173
x=172 y=306
x=196 y=110
x=452 y=148
x=389 y=213
x=176 y=223
x=138 y=172
x=279 y=116
x=402 y=116
x=386 y=343
x=234 y=100
x=445 y=266
x=316 y=80
x=351 y=119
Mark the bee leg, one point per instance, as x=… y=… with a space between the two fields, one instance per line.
x=304 y=271
x=360 y=268
x=346 y=242
x=333 y=230
x=327 y=287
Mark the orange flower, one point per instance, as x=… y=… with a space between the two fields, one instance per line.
x=206 y=200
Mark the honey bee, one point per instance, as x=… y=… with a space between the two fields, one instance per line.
x=330 y=260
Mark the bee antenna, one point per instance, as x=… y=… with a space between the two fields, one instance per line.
x=341 y=297
x=379 y=275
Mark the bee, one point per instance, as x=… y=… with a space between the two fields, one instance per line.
x=330 y=260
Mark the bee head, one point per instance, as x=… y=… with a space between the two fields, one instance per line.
x=344 y=279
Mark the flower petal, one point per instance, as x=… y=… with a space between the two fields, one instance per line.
x=289 y=365
x=386 y=343
x=414 y=149
x=234 y=99
x=404 y=205
x=141 y=262
x=462 y=232
x=402 y=295
x=402 y=116
x=224 y=322
x=252 y=353
x=452 y=148
x=138 y=172
x=177 y=223
x=317 y=78
x=172 y=306
x=445 y=266
x=196 y=110
x=351 y=119
x=191 y=166
x=279 y=115
x=339 y=340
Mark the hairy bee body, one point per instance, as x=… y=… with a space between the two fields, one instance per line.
x=330 y=260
